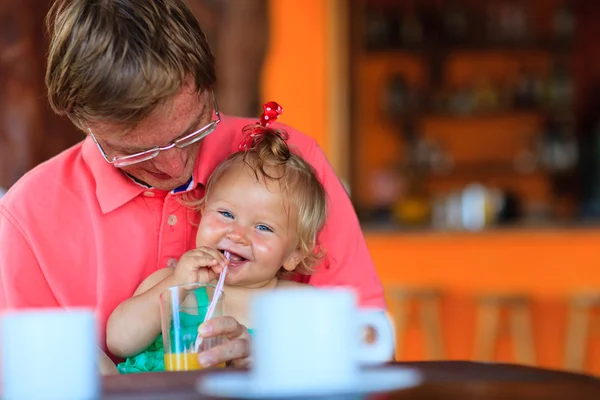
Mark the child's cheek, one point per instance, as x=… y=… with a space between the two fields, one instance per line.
x=208 y=230
x=261 y=244
x=212 y=224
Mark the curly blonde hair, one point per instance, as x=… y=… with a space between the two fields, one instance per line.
x=270 y=159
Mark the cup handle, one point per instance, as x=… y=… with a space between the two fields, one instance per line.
x=382 y=349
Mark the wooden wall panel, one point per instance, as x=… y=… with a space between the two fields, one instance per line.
x=20 y=113
x=29 y=131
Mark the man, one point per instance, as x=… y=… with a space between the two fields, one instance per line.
x=85 y=228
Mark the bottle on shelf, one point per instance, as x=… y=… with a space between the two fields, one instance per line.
x=564 y=23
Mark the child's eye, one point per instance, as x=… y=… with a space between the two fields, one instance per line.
x=264 y=228
x=226 y=214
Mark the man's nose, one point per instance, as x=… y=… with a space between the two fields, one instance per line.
x=171 y=162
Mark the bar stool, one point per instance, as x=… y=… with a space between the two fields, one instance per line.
x=580 y=309
x=490 y=307
x=427 y=300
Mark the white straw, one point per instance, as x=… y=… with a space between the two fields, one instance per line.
x=215 y=299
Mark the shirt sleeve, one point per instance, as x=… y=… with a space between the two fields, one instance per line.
x=347 y=261
x=22 y=283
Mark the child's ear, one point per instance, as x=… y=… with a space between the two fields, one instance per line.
x=294 y=260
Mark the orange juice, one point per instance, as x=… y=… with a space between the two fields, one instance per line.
x=183 y=362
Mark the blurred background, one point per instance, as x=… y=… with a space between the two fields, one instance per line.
x=466 y=131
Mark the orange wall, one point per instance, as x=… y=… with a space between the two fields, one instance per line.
x=547 y=265
x=296 y=66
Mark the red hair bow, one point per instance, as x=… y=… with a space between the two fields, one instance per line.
x=271 y=111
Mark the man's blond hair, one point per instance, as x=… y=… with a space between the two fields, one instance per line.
x=116 y=61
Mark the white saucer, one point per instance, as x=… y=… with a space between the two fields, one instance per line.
x=240 y=385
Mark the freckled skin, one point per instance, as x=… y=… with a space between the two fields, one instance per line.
x=171 y=168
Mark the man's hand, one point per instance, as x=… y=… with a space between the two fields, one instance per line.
x=199 y=265
x=236 y=350
x=105 y=364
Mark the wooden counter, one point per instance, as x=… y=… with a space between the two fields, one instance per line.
x=548 y=264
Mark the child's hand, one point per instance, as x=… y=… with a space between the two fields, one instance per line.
x=199 y=265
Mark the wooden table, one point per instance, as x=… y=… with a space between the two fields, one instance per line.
x=446 y=380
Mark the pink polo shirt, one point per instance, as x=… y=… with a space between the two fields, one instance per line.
x=75 y=231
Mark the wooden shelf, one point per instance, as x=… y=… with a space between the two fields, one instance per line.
x=482 y=170
x=546 y=46
x=492 y=115
x=481 y=142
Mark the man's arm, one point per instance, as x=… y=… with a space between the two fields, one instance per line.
x=22 y=282
x=347 y=261
x=136 y=322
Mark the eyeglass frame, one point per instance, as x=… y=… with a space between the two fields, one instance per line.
x=121 y=162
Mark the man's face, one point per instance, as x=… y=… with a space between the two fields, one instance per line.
x=185 y=113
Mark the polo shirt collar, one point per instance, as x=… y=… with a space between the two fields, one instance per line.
x=113 y=187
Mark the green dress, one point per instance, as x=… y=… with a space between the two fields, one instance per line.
x=152 y=359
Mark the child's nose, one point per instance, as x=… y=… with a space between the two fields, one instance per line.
x=238 y=235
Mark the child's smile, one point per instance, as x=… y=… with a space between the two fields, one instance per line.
x=235 y=260
x=251 y=219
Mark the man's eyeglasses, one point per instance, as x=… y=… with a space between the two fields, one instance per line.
x=187 y=140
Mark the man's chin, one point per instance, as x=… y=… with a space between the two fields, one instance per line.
x=166 y=184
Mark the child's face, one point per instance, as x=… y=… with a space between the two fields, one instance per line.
x=249 y=220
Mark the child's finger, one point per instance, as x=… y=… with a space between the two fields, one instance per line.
x=206 y=275
x=204 y=260
x=217 y=269
x=217 y=255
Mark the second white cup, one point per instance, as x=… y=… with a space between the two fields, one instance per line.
x=311 y=340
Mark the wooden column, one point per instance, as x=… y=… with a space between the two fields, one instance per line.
x=238 y=32
x=20 y=90
x=29 y=131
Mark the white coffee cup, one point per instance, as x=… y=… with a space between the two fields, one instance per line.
x=311 y=340
x=49 y=354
